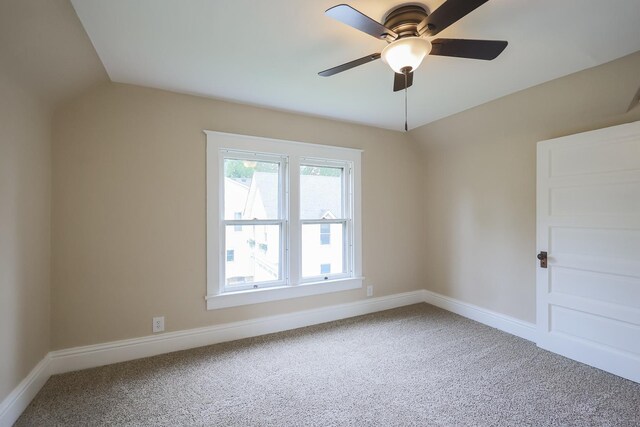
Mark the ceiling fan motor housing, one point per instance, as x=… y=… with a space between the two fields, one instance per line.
x=404 y=20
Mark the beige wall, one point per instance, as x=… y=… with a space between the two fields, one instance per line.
x=25 y=201
x=44 y=46
x=451 y=207
x=479 y=182
x=129 y=210
x=45 y=58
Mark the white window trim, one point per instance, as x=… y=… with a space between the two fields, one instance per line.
x=296 y=152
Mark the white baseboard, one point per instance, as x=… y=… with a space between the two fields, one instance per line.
x=496 y=320
x=73 y=359
x=16 y=402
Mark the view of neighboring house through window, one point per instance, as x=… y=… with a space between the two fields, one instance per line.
x=237 y=215
x=253 y=202
x=325 y=234
x=324 y=216
x=253 y=187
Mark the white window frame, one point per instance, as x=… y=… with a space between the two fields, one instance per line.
x=346 y=220
x=281 y=220
x=293 y=154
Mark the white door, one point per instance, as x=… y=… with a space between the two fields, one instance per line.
x=588 y=221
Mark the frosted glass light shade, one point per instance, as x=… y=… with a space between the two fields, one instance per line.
x=406 y=52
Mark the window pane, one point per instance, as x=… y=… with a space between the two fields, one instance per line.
x=256 y=254
x=317 y=257
x=320 y=192
x=251 y=188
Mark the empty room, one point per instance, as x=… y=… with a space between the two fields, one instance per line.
x=308 y=213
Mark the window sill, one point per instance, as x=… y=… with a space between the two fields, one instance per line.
x=256 y=296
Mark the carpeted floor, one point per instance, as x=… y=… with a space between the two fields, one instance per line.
x=412 y=366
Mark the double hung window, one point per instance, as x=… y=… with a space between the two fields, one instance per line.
x=253 y=226
x=325 y=218
x=283 y=219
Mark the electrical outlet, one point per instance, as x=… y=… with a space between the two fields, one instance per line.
x=370 y=290
x=158 y=324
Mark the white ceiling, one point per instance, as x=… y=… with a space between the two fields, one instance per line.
x=268 y=53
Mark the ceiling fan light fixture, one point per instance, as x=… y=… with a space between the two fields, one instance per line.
x=406 y=52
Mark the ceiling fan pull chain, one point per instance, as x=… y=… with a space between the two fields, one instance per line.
x=406 y=128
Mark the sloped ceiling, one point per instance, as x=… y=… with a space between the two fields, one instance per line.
x=268 y=53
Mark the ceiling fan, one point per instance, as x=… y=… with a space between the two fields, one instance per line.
x=407 y=29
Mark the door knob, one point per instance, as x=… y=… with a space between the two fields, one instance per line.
x=542 y=256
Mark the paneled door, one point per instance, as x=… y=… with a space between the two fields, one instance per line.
x=588 y=235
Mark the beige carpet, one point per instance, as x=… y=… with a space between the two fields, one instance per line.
x=416 y=365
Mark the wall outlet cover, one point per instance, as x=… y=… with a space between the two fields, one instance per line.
x=158 y=324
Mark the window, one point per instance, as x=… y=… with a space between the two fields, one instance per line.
x=287 y=216
x=325 y=234
x=324 y=211
x=255 y=184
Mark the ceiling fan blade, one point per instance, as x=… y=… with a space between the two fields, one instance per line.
x=473 y=49
x=350 y=16
x=349 y=65
x=398 y=81
x=447 y=14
